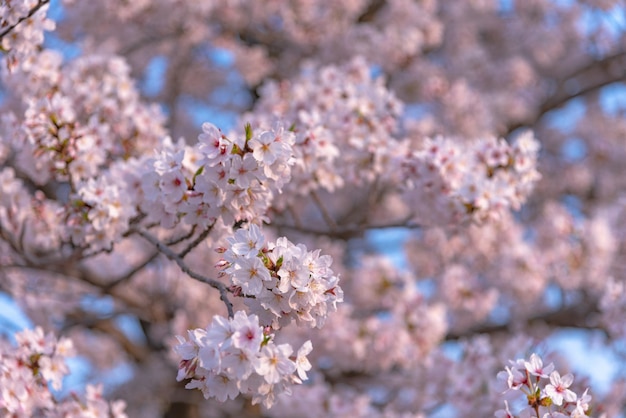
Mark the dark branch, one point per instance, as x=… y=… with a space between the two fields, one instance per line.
x=371 y=11
x=580 y=82
x=347 y=232
x=193 y=244
x=169 y=253
x=581 y=315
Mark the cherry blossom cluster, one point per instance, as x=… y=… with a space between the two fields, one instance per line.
x=24 y=22
x=232 y=179
x=80 y=122
x=477 y=181
x=32 y=218
x=237 y=355
x=75 y=138
x=547 y=393
x=345 y=121
x=281 y=281
x=36 y=366
x=100 y=212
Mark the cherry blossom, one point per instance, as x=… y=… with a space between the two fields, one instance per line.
x=362 y=208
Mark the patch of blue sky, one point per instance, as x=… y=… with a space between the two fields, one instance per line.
x=154 y=76
x=574 y=206
x=565 y=118
x=612 y=21
x=416 y=110
x=82 y=373
x=375 y=71
x=99 y=305
x=613 y=98
x=553 y=296
x=56 y=11
x=233 y=93
x=574 y=149
x=390 y=243
x=222 y=58
x=12 y=318
x=69 y=50
x=588 y=356
x=201 y=112
x=506 y=6
x=129 y=325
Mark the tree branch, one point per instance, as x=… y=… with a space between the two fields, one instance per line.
x=108 y=327
x=580 y=315
x=580 y=82
x=169 y=253
x=193 y=244
x=110 y=285
x=349 y=231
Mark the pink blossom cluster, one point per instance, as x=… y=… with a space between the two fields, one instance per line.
x=281 y=281
x=89 y=211
x=28 y=33
x=75 y=138
x=477 y=181
x=101 y=210
x=36 y=366
x=345 y=121
x=232 y=179
x=33 y=218
x=77 y=123
x=406 y=328
x=529 y=379
x=237 y=355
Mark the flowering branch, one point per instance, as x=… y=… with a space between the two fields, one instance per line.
x=20 y=20
x=185 y=268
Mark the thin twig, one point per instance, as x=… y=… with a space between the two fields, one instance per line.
x=107 y=287
x=107 y=326
x=294 y=215
x=580 y=76
x=193 y=244
x=327 y=218
x=582 y=316
x=182 y=238
x=347 y=231
x=169 y=253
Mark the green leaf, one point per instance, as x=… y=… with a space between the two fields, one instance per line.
x=249 y=133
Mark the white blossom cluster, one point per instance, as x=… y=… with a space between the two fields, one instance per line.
x=446 y=182
x=76 y=138
x=76 y=124
x=219 y=178
x=29 y=371
x=27 y=36
x=100 y=212
x=344 y=119
x=34 y=218
x=544 y=400
x=233 y=356
x=281 y=281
